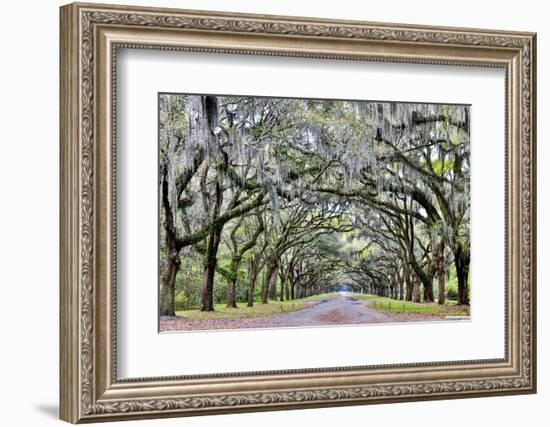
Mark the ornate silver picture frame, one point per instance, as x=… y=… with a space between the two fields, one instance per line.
x=91 y=36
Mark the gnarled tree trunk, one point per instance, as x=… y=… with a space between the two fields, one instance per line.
x=172 y=261
x=231 y=293
x=270 y=282
x=429 y=288
x=462 y=264
x=440 y=272
x=207 y=294
x=168 y=289
x=415 y=289
x=251 y=289
x=283 y=289
x=273 y=284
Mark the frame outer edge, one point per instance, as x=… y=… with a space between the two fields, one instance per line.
x=534 y=281
x=69 y=355
x=77 y=342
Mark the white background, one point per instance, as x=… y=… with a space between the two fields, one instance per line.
x=140 y=346
x=29 y=171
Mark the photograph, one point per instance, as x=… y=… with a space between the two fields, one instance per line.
x=287 y=212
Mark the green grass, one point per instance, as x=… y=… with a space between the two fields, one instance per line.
x=395 y=306
x=258 y=310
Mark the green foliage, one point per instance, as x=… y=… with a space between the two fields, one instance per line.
x=451 y=285
x=451 y=289
x=189 y=281
x=220 y=289
x=441 y=167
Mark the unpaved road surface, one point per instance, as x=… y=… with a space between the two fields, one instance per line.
x=340 y=310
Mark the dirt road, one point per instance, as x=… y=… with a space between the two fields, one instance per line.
x=343 y=309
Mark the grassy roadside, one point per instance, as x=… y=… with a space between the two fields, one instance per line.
x=274 y=307
x=258 y=310
x=395 y=306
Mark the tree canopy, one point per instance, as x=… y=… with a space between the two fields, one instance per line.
x=305 y=196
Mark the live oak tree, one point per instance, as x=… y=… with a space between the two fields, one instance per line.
x=238 y=248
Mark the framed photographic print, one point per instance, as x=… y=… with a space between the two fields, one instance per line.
x=266 y=212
